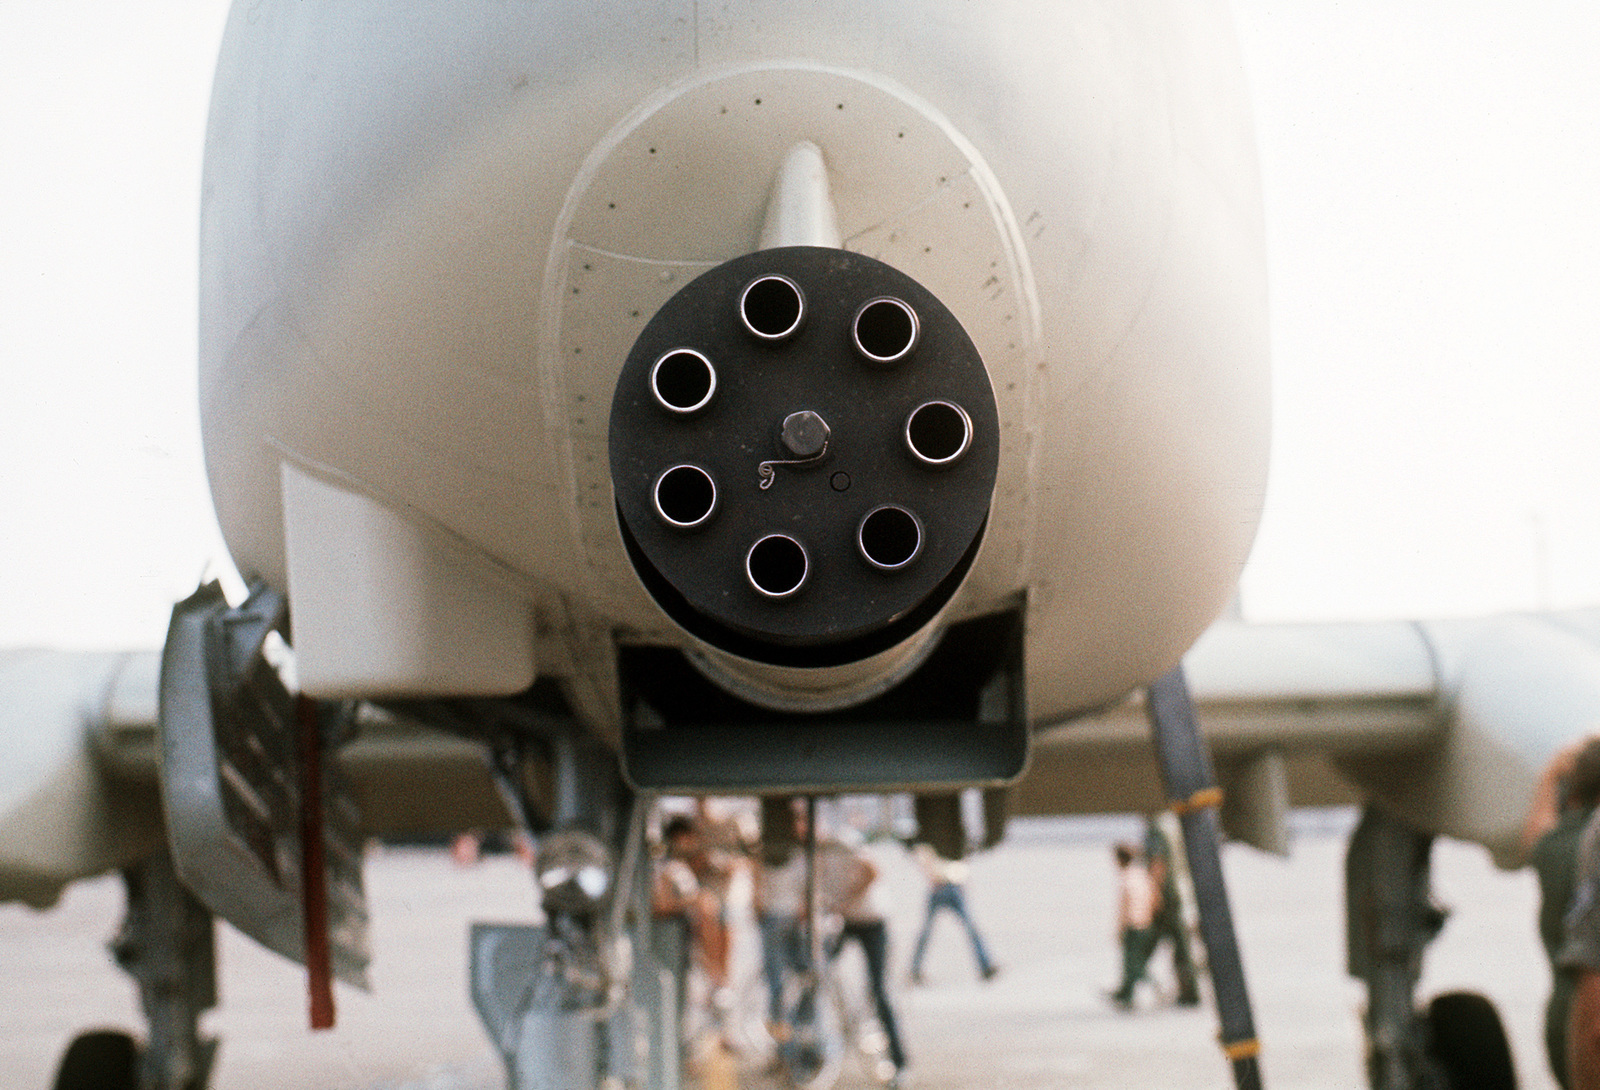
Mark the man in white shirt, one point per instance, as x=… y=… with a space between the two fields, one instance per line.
x=1136 y=909
x=849 y=882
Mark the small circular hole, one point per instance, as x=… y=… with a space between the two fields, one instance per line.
x=685 y=497
x=889 y=537
x=683 y=381
x=772 y=307
x=938 y=432
x=886 y=330
x=777 y=566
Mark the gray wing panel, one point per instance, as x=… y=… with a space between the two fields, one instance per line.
x=68 y=811
x=1447 y=724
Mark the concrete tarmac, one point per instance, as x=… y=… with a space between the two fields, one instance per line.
x=1044 y=901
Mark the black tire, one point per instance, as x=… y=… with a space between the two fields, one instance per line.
x=101 y=1059
x=1468 y=1042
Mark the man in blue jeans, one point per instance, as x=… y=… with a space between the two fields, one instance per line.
x=780 y=901
x=849 y=881
x=945 y=880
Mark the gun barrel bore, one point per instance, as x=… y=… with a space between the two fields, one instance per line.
x=772 y=307
x=683 y=381
x=777 y=566
x=685 y=497
x=885 y=330
x=938 y=433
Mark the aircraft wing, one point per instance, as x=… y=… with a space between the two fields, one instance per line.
x=74 y=800
x=80 y=794
x=1446 y=724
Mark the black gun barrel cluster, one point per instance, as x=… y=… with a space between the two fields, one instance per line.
x=804 y=444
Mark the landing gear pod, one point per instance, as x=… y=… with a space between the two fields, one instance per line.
x=853 y=423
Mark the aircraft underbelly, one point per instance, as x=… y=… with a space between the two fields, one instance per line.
x=427 y=256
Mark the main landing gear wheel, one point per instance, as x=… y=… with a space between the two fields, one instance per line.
x=100 y=1060
x=1468 y=1042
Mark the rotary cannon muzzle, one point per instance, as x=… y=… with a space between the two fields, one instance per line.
x=804 y=444
x=772 y=307
x=683 y=381
x=886 y=330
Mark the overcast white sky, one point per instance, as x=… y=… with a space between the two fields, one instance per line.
x=1432 y=173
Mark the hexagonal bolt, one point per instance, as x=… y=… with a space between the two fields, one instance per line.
x=804 y=434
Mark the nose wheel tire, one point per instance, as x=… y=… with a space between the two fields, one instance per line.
x=100 y=1060
x=1468 y=1043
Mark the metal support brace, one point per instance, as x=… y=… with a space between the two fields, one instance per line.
x=168 y=945
x=590 y=998
x=1192 y=794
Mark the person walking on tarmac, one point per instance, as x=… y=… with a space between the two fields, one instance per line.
x=780 y=902
x=1168 y=924
x=849 y=880
x=945 y=880
x=1136 y=910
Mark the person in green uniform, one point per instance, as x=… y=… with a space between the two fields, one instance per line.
x=1562 y=804
x=1169 y=924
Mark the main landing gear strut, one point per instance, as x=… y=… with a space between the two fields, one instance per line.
x=589 y=999
x=167 y=944
x=1192 y=794
x=1457 y=1042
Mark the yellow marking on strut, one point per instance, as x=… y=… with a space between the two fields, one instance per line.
x=1241 y=1050
x=1200 y=800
